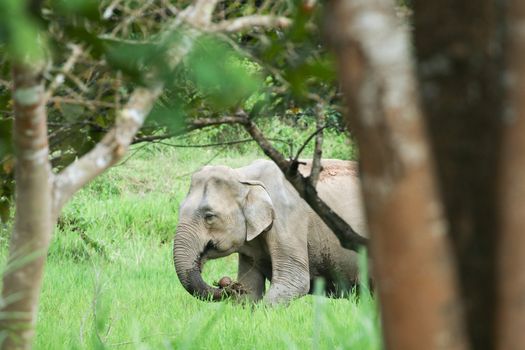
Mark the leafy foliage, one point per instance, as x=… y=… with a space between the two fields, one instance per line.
x=271 y=74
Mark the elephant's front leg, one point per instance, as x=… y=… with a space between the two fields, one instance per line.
x=290 y=278
x=250 y=277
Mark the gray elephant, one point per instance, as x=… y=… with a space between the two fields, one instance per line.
x=254 y=211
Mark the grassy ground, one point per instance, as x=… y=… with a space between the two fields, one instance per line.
x=116 y=287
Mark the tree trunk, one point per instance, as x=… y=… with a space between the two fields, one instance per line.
x=510 y=283
x=33 y=221
x=460 y=59
x=412 y=261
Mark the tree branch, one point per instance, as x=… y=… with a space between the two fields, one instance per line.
x=76 y=51
x=204 y=9
x=205 y=122
x=349 y=238
x=247 y=22
x=318 y=150
x=195 y=124
x=307 y=141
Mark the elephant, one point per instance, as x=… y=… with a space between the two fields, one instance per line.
x=255 y=212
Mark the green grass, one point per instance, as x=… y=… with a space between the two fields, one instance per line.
x=121 y=292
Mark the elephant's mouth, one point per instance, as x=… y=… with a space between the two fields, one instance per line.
x=207 y=253
x=208 y=250
x=213 y=250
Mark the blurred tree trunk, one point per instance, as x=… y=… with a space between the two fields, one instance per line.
x=510 y=284
x=412 y=261
x=33 y=219
x=479 y=150
x=459 y=49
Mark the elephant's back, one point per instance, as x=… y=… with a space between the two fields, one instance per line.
x=339 y=187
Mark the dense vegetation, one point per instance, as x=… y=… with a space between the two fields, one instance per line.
x=110 y=280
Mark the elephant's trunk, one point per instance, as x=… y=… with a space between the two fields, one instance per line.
x=188 y=250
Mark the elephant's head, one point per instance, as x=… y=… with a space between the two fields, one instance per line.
x=221 y=212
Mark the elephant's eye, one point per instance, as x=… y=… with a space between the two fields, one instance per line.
x=209 y=217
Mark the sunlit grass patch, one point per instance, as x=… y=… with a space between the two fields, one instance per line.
x=110 y=281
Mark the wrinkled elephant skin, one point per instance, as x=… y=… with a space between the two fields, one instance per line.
x=255 y=212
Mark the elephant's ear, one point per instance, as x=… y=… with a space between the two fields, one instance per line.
x=258 y=209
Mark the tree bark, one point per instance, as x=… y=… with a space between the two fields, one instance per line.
x=460 y=67
x=413 y=266
x=33 y=221
x=510 y=282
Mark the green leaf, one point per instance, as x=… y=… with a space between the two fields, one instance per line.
x=135 y=59
x=221 y=74
x=24 y=40
x=172 y=118
x=83 y=8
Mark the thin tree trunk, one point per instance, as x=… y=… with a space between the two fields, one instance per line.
x=412 y=261
x=33 y=224
x=460 y=66
x=510 y=284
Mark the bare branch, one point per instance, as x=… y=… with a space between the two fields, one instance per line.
x=195 y=124
x=318 y=151
x=206 y=145
x=131 y=17
x=266 y=146
x=90 y=104
x=76 y=51
x=307 y=141
x=204 y=122
x=204 y=9
x=248 y=22
x=108 y=12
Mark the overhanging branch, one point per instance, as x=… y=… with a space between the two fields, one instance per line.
x=248 y=22
x=349 y=238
